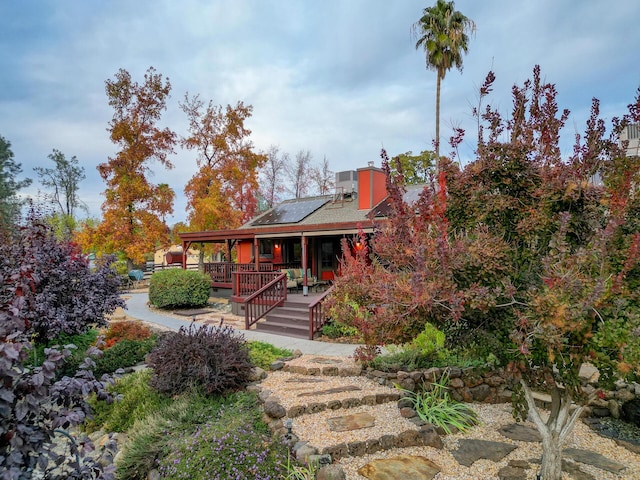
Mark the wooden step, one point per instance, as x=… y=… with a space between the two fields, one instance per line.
x=289 y=329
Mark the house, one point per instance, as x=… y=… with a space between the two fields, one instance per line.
x=631 y=134
x=173 y=255
x=303 y=234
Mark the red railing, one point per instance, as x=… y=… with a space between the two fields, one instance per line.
x=317 y=316
x=247 y=283
x=221 y=273
x=265 y=299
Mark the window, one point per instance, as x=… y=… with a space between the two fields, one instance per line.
x=633 y=131
x=266 y=248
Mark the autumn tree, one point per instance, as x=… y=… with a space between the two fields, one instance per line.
x=63 y=181
x=10 y=203
x=525 y=254
x=222 y=193
x=299 y=174
x=323 y=178
x=135 y=209
x=272 y=176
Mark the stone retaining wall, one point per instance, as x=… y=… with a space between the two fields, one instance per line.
x=483 y=385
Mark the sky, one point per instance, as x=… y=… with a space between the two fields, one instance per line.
x=340 y=78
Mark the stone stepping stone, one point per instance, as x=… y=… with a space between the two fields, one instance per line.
x=470 y=450
x=406 y=467
x=346 y=388
x=305 y=380
x=326 y=361
x=593 y=459
x=355 y=421
x=519 y=432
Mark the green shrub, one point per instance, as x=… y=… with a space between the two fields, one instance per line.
x=136 y=399
x=434 y=405
x=175 y=288
x=429 y=341
x=125 y=353
x=333 y=329
x=216 y=359
x=264 y=354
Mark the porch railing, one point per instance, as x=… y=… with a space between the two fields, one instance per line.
x=246 y=283
x=317 y=315
x=222 y=272
x=265 y=299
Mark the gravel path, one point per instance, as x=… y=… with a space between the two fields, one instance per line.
x=313 y=428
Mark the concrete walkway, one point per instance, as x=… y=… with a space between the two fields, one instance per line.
x=137 y=308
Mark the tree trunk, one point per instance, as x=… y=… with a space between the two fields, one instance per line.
x=200 y=258
x=551 y=467
x=555 y=430
x=438 y=122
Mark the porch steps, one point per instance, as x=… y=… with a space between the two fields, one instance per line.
x=291 y=320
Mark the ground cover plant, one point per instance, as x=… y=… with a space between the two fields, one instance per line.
x=262 y=354
x=535 y=251
x=136 y=398
x=211 y=435
x=235 y=443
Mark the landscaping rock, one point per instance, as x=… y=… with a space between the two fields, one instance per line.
x=512 y=473
x=470 y=450
x=331 y=472
x=304 y=452
x=404 y=466
x=630 y=412
x=595 y=459
x=430 y=437
x=480 y=392
x=277 y=365
x=257 y=374
x=320 y=460
x=274 y=409
x=521 y=433
x=351 y=422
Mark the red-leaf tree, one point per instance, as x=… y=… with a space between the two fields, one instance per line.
x=222 y=193
x=135 y=209
x=522 y=249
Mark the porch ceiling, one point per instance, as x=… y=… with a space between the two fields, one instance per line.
x=220 y=236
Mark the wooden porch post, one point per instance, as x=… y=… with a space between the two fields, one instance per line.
x=256 y=254
x=305 y=288
x=185 y=247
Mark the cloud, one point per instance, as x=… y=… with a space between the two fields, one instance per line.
x=340 y=79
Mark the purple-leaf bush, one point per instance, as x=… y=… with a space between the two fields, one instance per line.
x=216 y=359
x=46 y=289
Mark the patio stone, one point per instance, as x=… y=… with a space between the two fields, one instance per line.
x=521 y=433
x=406 y=467
x=470 y=450
x=346 y=388
x=355 y=421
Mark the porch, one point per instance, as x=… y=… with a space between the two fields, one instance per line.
x=264 y=300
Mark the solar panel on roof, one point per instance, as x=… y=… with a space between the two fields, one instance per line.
x=290 y=212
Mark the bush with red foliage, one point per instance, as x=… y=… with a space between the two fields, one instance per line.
x=119 y=331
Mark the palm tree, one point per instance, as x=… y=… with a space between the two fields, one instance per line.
x=442 y=32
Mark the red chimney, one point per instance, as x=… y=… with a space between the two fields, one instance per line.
x=372 y=187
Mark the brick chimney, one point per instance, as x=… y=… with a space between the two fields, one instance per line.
x=372 y=186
